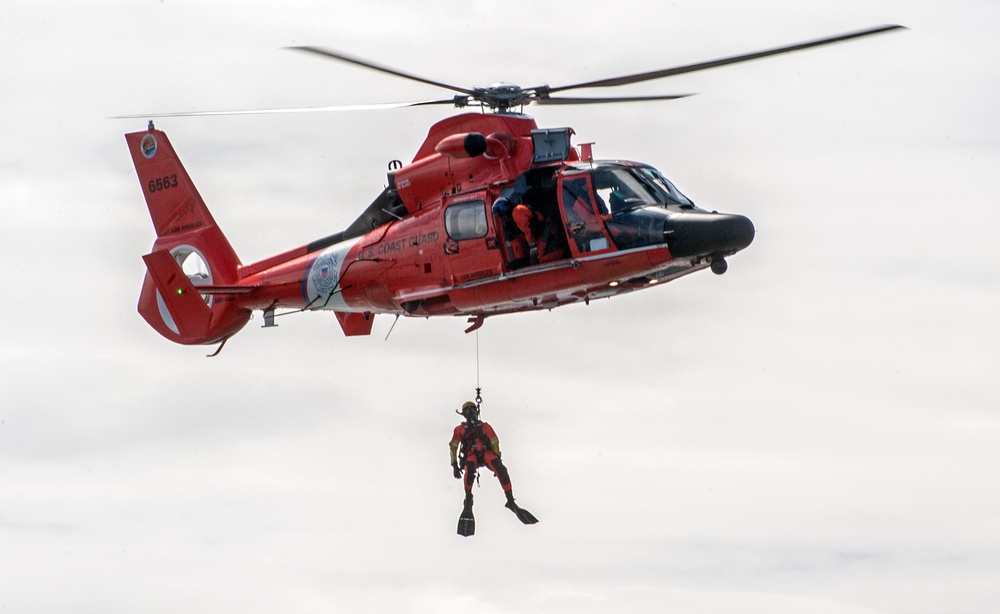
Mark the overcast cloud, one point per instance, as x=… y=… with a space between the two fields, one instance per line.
x=815 y=431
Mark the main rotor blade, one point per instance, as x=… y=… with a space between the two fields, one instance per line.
x=350 y=107
x=343 y=57
x=679 y=70
x=562 y=100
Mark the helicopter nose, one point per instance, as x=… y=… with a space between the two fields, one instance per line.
x=696 y=233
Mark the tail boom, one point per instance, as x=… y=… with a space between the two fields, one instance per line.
x=196 y=290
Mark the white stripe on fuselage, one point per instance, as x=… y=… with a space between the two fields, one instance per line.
x=322 y=282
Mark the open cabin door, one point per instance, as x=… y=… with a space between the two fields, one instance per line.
x=583 y=212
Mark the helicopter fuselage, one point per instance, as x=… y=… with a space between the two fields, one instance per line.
x=492 y=216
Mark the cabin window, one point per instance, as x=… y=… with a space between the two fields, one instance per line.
x=466 y=220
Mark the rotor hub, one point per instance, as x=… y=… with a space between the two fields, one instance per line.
x=503 y=96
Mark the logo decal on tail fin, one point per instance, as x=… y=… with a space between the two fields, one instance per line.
x=148 y=146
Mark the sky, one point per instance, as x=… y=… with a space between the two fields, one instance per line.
x=816 y=430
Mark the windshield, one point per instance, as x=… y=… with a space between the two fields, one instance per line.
x=663 y=184
x=622 y=188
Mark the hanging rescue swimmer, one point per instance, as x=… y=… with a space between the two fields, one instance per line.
x=476 y=444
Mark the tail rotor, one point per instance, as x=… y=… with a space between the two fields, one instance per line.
x=190 y=251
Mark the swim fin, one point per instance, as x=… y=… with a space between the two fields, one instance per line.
x=467 y=522
x=522 y=514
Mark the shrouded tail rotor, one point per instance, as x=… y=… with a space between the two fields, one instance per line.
x=190 y=251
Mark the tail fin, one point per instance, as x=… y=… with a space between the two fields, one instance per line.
x=199 y=253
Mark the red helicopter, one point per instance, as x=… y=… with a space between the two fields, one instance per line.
x=494 y=215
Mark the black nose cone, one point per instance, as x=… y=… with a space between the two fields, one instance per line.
x=697 y=233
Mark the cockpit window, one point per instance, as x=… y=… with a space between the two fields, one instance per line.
x=663 y=184
x=632 y=202
x=623 y=188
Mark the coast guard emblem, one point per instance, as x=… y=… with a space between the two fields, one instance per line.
x=148 y=146
x=326 y=273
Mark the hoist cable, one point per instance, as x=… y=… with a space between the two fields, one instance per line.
x=479 y=395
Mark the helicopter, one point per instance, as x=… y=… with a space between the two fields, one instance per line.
x=494 y=215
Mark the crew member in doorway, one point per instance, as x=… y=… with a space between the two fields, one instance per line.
x=518 y=244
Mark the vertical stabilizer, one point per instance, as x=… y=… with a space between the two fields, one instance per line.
x=188 y=234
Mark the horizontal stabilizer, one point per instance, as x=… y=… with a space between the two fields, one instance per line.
x=225 y=289
x=189 y=314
